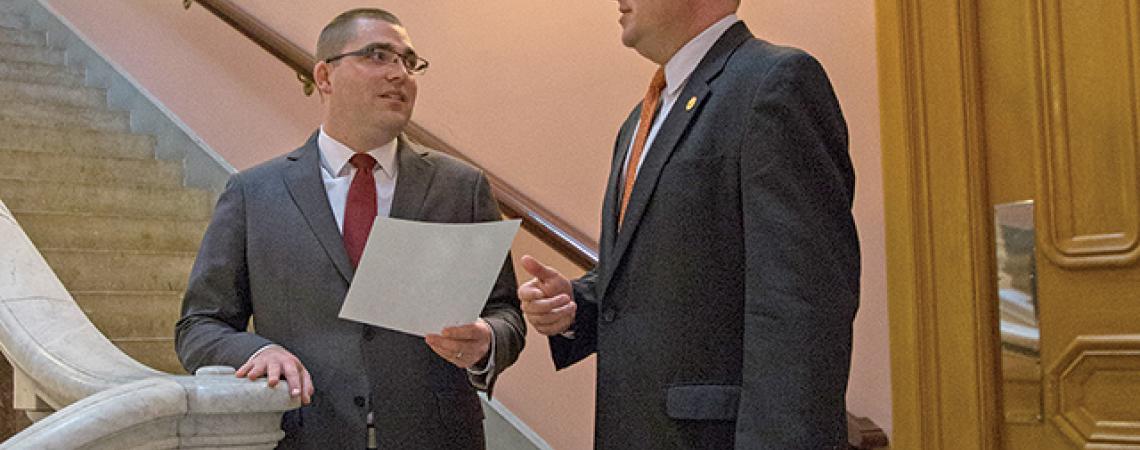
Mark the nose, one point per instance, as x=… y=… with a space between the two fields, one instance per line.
x=397 y=71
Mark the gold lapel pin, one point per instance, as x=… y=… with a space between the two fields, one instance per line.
x=692 y=102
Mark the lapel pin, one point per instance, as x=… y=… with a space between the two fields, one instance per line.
x=692 y=102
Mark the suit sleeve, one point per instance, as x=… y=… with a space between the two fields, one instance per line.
x=216 y=307
x=802 y=263
x=502 y=310
x=568 y=351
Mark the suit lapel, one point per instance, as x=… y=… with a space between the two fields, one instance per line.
x=680 y=118
x=303 y=178
x=613 y=185
x=412 y=182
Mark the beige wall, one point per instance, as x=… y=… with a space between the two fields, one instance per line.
x=532 y=90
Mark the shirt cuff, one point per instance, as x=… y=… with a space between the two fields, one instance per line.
x=480 y=377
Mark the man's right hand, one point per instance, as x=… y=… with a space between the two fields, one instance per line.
x=273 y=362
x=547 y=299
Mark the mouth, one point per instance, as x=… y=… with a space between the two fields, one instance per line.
x=393 y=96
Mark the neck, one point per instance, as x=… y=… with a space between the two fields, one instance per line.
x=700 y=21
x=359 y=142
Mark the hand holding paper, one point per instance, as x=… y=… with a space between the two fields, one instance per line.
x=462 y=345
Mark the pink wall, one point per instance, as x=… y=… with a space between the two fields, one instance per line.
x=534 y=91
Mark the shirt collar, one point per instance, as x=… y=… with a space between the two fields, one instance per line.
x=685 y=61
x=335 y=155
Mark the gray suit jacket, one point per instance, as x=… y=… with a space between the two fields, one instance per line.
x=273 y=252
x=721 y=311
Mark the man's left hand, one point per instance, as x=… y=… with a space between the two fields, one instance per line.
x=463 y=345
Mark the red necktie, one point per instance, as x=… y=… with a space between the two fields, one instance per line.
x=360 y=209
x=648 y=107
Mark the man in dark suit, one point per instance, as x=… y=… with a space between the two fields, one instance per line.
x=284 y=243
x=728 y=278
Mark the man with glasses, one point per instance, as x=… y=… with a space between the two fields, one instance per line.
x=728 y=278
x=285 y=240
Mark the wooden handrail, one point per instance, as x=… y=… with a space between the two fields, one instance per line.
x=553 y=231
x=572 y=243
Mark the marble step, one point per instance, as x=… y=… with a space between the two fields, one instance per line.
x=39 y=196
x=119 y=270
x=31 y=53
x=88 y=170
x=31 y=92
x=22 y=37
x=158 y=353
x=13 y=19
x=131 y=314
x=76 y=141
x=48 y=115
x=84 y=231
x=41 y=73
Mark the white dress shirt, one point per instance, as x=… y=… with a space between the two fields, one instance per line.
x=337 y=173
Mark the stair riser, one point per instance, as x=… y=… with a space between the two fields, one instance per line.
x=50 y=197
x=158 y=355
x=32 y=93
x=10 y=20
x=65 y=168
x=130 y=315
x=31 y=54
x=55 y=116
x=55 y=75
x=105 y=233
x=119 y=271
x=19 y=37
x=76 y=142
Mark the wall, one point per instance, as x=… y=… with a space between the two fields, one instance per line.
x=534 y=91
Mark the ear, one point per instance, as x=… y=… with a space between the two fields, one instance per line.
x=321 y=77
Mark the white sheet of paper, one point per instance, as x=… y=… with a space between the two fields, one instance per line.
x=419 y=277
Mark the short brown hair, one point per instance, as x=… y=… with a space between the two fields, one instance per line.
x=342 y=29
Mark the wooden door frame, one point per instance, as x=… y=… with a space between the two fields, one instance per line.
x=939 y=245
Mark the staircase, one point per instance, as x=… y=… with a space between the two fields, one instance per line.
x=115 y=224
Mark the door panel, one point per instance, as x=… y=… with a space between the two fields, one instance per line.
x=1060 y=125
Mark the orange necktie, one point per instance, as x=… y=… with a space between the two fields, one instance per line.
x=648 y=107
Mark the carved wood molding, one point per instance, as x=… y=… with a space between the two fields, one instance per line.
x=1089 y=187
x=1092 y=389
x=937 y=227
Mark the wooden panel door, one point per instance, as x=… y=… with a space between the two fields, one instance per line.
x=990 y=102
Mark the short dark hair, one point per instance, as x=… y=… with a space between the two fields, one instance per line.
x=342 y=29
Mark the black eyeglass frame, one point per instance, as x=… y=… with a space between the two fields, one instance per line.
x=412 y=63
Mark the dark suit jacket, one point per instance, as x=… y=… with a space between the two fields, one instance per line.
x=721 y=311
x=273 y=251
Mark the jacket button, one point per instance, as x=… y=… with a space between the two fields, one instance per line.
x=369 y=334
x=359 y=401
x=609 y=315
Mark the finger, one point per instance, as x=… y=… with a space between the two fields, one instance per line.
x=244 y=369
x=539 y=270
x=530 y=291
x=256 y=370
x=273 y=372
x=293 y=378
x=463 y=332
x=546 y=305
x=308 y=389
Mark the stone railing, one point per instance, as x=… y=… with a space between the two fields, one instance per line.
x=101 y=397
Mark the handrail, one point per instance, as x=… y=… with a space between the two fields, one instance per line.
x=553 y=231
x=101 y=397
x=572 y=243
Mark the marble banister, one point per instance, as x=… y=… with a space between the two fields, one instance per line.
x=102 y=397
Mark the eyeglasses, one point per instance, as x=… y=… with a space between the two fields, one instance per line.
x=384 y=54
